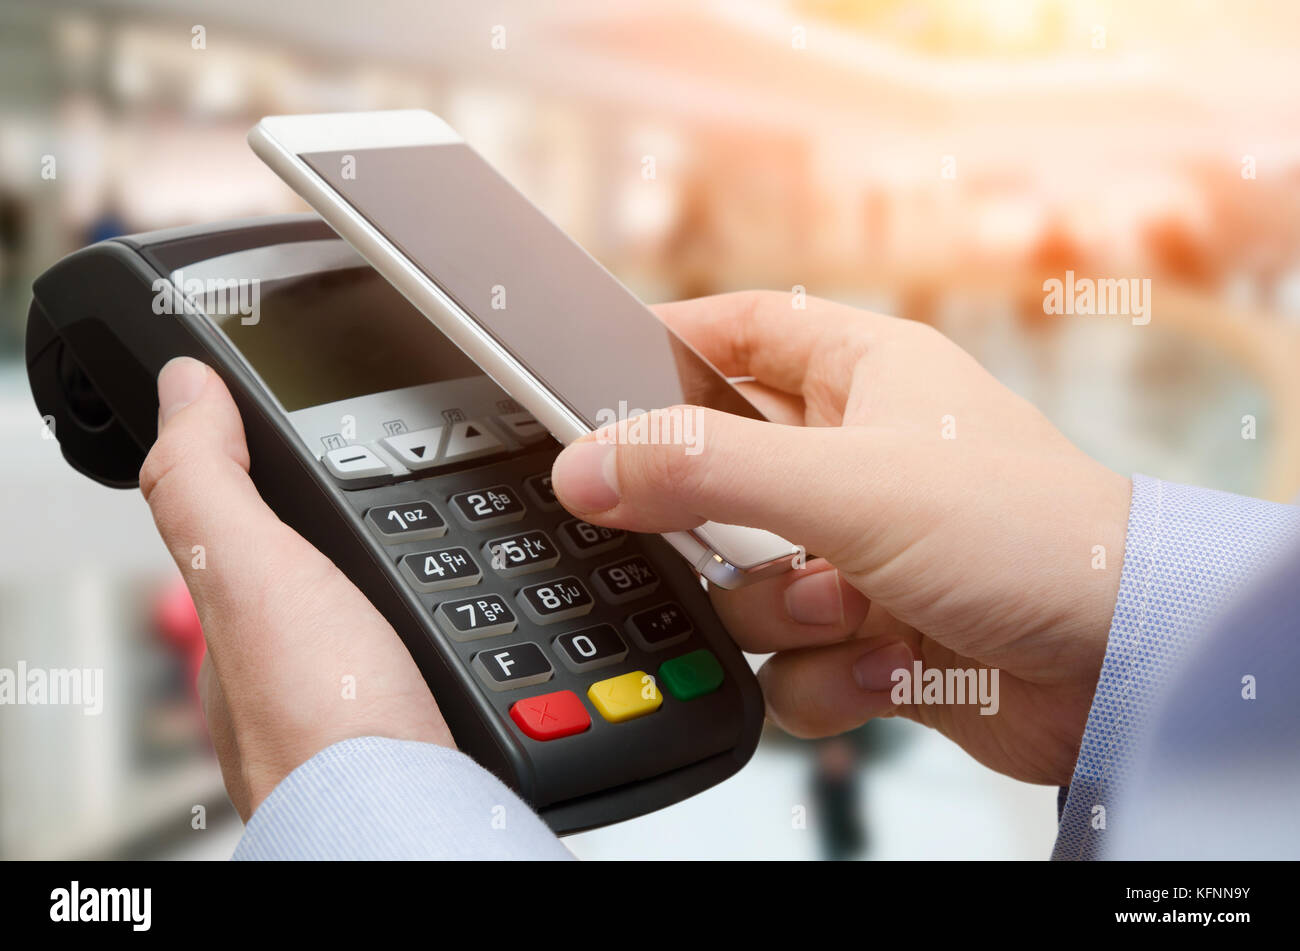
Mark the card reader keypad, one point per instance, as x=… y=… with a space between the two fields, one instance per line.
x=568 y=627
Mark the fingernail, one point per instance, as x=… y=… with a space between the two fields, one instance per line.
x=585 y=476
x=875 y=671
x=815 y=599
x=180 y=382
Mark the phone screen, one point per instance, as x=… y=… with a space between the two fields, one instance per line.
x=561 y=315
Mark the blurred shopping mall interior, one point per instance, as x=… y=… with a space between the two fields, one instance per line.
x=934 y=159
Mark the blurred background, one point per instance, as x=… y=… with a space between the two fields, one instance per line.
x=936 y=159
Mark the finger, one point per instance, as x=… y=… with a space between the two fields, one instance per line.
x=777 y=406
x=638 y=475
x=821 y=691
x=803 y=608
x=763 y=335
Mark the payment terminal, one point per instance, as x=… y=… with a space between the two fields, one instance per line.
x=583 y=666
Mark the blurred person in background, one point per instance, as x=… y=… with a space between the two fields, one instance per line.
x=836 y=789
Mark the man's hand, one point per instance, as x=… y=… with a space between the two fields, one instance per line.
x=285 y=629
x=955 y=524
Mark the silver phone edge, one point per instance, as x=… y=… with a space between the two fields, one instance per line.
x=720 y=572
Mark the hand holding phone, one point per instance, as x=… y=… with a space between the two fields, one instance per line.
x=974 y=555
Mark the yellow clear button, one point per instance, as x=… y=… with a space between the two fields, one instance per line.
x=626 y=696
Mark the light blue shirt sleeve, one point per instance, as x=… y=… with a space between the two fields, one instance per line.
x=1216 y=776
x=377 y=798
x=1188 y=554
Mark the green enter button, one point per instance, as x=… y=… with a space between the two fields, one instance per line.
x=691 y=675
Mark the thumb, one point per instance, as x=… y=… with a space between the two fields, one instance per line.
x=811 y=485
x=196 y=482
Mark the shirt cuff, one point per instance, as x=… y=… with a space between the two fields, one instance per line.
x=1188 y=552
x=378 y=798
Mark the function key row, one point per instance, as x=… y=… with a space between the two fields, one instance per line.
x=422 y=449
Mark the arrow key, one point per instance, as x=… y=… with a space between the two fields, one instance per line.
x=417 y=450
x=470 y=439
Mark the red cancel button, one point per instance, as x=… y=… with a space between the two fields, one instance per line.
x=551 y=715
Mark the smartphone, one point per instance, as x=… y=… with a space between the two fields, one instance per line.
x=524 y=301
